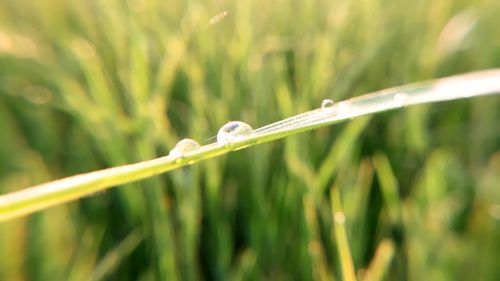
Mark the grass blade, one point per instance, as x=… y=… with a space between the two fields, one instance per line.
x=42 y=196
x=340 y=235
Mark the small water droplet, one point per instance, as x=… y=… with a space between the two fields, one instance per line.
x=182 y=147
x=327 y=103
x=233 y=131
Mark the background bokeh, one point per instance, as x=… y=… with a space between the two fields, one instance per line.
x=412 y=194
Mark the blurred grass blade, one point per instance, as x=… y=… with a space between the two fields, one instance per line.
x=340 y=233
x=389 y=187
x=112 y=259
x=43 y=196
x=246 y=261
x=381 y=262
x=316 y=251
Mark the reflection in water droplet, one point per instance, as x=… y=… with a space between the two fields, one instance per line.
x=182 y=147
x=327 y=103
x=233 y=131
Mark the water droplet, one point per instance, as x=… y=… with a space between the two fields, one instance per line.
x=233 y=131
x=327 y=103
x=182 y=147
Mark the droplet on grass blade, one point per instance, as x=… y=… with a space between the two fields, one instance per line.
x=234 y=131
x=327 y=103
x=182 y=147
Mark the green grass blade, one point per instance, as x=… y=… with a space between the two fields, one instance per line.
x=42 y=196
x=339 y=234
x=381 y=262
x=111 y=260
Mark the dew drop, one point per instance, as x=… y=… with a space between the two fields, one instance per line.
x=234 y=131
x=327 y=103
x=182 y=147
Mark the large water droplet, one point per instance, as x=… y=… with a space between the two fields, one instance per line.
x=182 y=147
x=327 y=103
x=234 y=131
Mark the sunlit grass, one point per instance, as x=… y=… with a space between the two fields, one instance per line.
x=61 y=191
x=88 y=85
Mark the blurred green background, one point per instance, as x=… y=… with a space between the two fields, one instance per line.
x=412 y=194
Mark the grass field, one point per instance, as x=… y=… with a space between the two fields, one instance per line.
x=411 y=194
